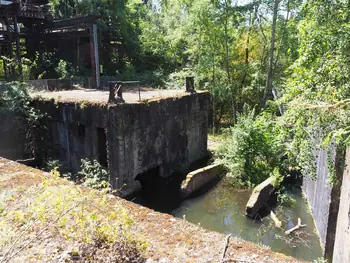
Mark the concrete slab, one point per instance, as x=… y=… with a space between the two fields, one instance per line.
x=261 y=194
x=197 y=179
x=130 y=95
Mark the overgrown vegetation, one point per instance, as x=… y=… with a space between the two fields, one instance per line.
x=253 y=149
x=15 y=100
x=91 y=173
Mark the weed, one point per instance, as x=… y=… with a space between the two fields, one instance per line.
x=320 y=260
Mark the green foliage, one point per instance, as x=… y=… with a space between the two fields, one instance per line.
x=317 y=88
x=51 y=164
x=284 y=198
x=61 y=69
x=224 y=44
x=254 y=149
x=15 y=98
x=93 y=174
x=48 y=65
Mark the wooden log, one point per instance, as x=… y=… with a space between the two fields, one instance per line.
x=278 y=223
x=299 y=225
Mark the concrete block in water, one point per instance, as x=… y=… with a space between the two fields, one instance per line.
x=261 y=194
x=195 y=180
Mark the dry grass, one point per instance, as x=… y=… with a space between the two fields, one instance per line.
x=52 y=220
x=64 y=214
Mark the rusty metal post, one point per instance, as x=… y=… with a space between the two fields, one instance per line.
x=119 y=90
x=138 y=85
x=190 y=84
x=111 y=92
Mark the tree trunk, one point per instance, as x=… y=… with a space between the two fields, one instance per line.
x=233 y=100
x=251 y=24
x=283 y=34
x=268 y=86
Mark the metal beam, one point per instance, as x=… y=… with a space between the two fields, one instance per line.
x=90 y=19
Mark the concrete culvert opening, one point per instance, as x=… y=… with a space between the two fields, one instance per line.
x=159 y=193
x=150 y=181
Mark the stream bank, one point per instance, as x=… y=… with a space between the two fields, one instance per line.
x=168 y=239
x=221 y=208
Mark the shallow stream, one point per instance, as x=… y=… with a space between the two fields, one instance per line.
x=222 y=210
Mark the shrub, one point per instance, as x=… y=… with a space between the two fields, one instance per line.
x=15 y=98
x=253 y=149
x=93 y=174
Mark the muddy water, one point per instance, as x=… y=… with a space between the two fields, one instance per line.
x=222 y=209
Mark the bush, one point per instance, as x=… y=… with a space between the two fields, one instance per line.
x=93 y=174
x=253 y=149
x=15 y=98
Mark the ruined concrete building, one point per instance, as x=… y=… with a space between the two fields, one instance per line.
x=160 y=134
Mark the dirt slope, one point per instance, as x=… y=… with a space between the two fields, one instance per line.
x=168 y=239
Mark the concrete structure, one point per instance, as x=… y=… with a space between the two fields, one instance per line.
x=341 y=253
x=323 y=199
x=261 y=194
x=136 y=140
x=197 y=179
x=74 y=131
x=12 y=135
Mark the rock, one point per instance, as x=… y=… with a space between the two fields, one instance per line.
x=197 y=179
x=261 y=194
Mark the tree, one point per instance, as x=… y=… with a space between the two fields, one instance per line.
x=268 y=87
x=317 y=88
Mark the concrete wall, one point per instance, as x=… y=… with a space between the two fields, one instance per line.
x=341 y=253
x=323 y=199
x=318 y=193
x=166 y=134
x=12 y=136
x=73 y=131
x=50 y=84
x=66 y=84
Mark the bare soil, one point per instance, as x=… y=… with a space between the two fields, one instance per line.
x=169 y=239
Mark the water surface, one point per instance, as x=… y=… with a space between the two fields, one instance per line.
x=222 y=210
